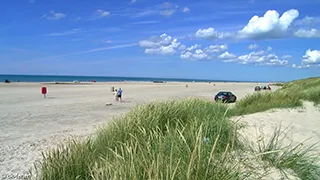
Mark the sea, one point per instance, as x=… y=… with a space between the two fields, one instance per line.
x=54 y=78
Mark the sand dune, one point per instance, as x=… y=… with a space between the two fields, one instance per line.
x=299 y=125
x=29 y=123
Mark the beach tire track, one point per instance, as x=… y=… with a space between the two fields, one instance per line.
x=22 y=115
x=5 y=116
x=16 y=118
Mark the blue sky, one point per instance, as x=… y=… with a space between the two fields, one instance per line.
x=207 y=39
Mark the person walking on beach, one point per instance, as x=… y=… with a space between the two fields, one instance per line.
x=119 y=94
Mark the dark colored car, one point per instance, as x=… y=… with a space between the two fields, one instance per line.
x=266 y=87
x=225 y=96
x=257 y=88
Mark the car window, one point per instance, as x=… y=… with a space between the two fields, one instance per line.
x=230 y=94
x=222 y=93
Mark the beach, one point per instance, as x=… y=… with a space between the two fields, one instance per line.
x=30 y=123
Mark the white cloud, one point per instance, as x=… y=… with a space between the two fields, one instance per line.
x=308 y=21
x=155 y=42
x=269 y=48
x=107 y=42
x=313 y=33
x=253 y=57
x=197 y=55
x=166 y=45
x=312 y=57
x=216 y=48
x=253 y=46
x=163 y=50
x=226 y=56
x=165 y=9
x=286 y=57
x=145 y=13
x=133 y=1
x=185 y=10
x=271 y=25
x=261 y=58
x=54 y=15
x=209 y=33
x=102 y=13
x=88 y=51
x=167 y=12
x=191 y=48
x=73 y=31
x=182 y=47
x=296 y=66
x=163 y=45
x=168 y=5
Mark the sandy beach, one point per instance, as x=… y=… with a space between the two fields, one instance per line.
x=29 y=123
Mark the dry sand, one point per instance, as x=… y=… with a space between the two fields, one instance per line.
x=299 y=126
x=30 y=124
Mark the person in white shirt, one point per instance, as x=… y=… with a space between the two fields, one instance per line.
x=115 y=94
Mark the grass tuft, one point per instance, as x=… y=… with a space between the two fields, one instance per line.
x=296 y=158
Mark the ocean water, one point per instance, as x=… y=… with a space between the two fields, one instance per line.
x=49 y=78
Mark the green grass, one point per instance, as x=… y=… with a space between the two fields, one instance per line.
x=165 y=140
x=262 y=101
x=277 y=84
x=306 y=89
x=160 y=140
x=290 y=95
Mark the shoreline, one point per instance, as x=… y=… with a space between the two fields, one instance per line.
x=68 y=78
x=134 y=82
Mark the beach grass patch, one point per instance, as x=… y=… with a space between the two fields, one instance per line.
x=182 y=139
x=289 y=159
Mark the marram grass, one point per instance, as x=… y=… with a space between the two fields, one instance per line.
x=290 y=95
x=160 y=140
x=183 y=139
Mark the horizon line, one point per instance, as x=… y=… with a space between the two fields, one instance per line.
x=172 y=78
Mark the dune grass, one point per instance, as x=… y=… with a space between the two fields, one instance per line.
x=306 y=89
x=276 y=84
x=262 y=101
x=290 y=95
x=160 y=140
x=290 y=158
x=183 y=139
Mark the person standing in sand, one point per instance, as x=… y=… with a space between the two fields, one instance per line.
x=119 y=94
x=115 y=94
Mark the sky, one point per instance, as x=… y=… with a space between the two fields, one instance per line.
x=274 y=40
